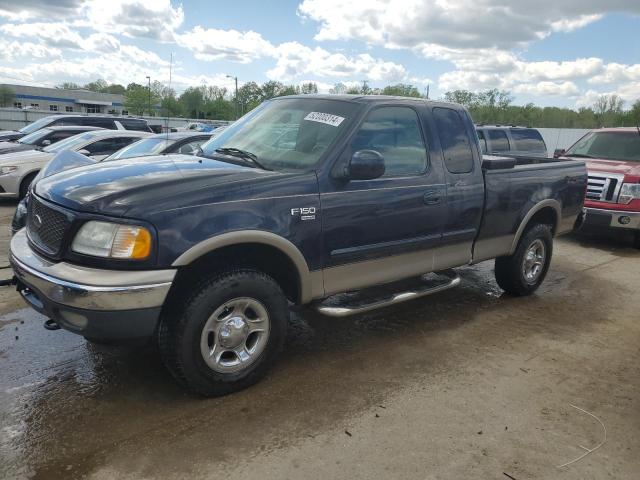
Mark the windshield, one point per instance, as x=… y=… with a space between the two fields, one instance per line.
x=34 y=137
x=71 y=143
x=37 y=125
x=148 y=146
x=608 y=146
x=286 y=133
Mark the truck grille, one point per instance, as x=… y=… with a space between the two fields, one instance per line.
x=604 y=187
x=46 y=226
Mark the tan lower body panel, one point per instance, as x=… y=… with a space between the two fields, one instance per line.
x=388 y=269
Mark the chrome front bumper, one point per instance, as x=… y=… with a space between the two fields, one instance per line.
x=612 y=218
x=90 y=301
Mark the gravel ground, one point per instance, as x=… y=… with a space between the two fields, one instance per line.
x=468 y=383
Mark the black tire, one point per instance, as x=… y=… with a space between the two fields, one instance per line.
x=25 y=184
x=636 y=240
x=181 y=330
x=509 y=270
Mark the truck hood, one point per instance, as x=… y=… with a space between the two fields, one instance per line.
x=10 y=134
x=25 y=156
x=142 y=185
x=9 y=147
x=613 y=166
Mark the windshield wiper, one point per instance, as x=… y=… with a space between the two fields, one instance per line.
x=244 y=154
x=578 y=155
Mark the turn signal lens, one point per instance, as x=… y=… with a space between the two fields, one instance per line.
x=131 y=242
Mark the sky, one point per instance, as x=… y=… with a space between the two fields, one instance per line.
x=549 y=52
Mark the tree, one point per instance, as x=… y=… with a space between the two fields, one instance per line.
x=7 y=96
x=401 y=90
x=97 y=86
x=68 y=86
x=308 y=88
x=250 y=95
x=136 y=99
x=634 y=114
x=192 y=100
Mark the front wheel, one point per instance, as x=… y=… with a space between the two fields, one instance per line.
x=226 y=334
x=522 y=273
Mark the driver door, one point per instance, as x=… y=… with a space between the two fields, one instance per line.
x=380 y=230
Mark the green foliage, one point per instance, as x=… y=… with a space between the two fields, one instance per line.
x=7 y=95
x=401 y=90
x=68 y=86
x=136 y=99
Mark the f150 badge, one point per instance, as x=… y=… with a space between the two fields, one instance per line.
x=305 y=213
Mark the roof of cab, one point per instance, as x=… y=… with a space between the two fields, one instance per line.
x=370 y=99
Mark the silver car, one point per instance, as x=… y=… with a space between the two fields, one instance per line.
x=17 y=170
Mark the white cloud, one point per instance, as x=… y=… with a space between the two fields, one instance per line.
x=213 y=44
x=154 y=19
x=53 y=34
x=295 y=60
x=454 y=23
x=26 y=9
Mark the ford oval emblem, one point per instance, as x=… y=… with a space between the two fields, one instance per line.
x=37 y=221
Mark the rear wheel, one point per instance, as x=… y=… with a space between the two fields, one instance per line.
x=25 y=184
x=226 y=334
x=522 y=273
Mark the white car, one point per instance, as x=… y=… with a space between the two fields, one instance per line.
x=17 y=170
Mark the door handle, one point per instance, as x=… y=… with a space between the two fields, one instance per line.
x=431 y=197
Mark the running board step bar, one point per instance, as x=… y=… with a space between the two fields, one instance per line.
x=344 y=304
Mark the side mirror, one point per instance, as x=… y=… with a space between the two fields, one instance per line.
x=84 y=152
x=559 y=152
x=46 y=143
x=365 y=165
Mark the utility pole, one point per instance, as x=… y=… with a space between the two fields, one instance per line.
x=149 y=80
x=236 y=97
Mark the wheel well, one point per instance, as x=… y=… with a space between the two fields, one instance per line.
x=547 y=216
x=267 y=259
x=28 y=176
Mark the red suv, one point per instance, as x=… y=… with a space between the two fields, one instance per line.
x=613 y=192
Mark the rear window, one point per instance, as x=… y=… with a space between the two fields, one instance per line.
x=499 y=140
x=138 y=125
x=528 y=139
x=456 y=147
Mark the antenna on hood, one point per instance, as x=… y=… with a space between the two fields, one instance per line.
x=166 y=119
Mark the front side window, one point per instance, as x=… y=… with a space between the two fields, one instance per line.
x=310 y=126
x=456 y=147
x=37 y=125
x=499 y=141
x=36 y=137
x=106 y=146
x=141 y=148
x=70 y=143
x=528 y=140
x=395 y=133
x=608 y=146
x=190 y=148
x=483 y=141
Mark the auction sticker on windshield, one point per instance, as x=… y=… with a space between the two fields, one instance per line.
x=328 y=118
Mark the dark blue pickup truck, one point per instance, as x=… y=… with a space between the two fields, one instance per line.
x=301 y=200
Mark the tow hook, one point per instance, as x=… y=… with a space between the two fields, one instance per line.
x=51 y=324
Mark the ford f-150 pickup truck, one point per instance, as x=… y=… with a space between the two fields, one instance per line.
x=301 y=200
x=612 y=156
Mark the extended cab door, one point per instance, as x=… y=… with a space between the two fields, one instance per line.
x=464 y=186
x=380 y=230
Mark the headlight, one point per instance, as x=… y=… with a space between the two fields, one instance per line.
x=112 y=240
x=8 y=169
x=628 y=192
